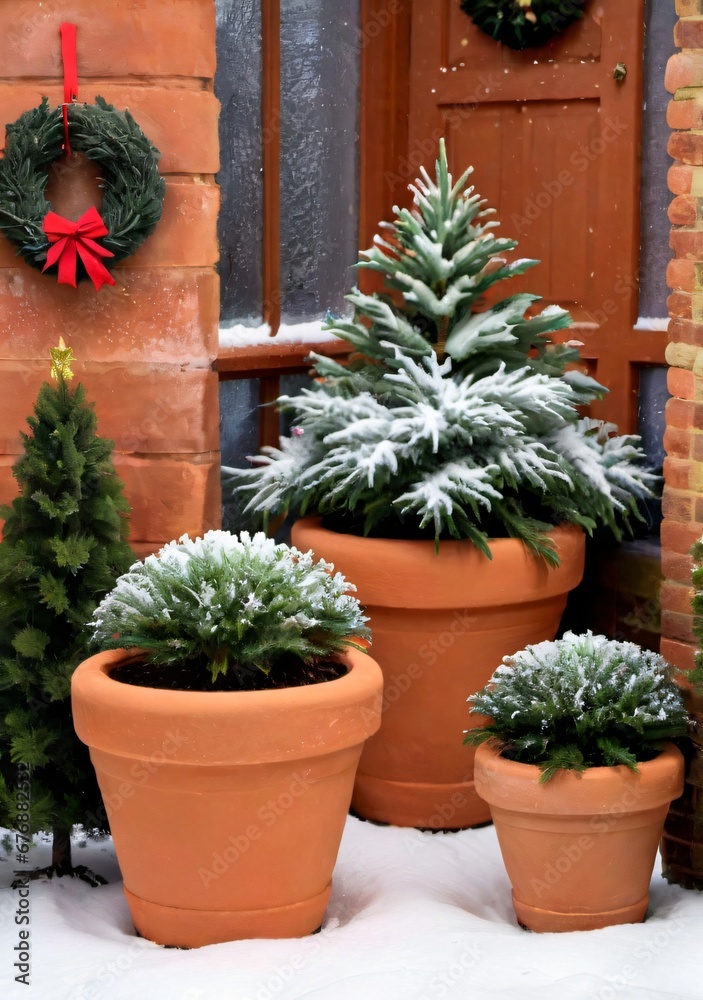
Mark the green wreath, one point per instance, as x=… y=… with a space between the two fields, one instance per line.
x=522 y=24
x=133 y=189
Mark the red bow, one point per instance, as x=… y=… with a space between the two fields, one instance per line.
x=70 y=238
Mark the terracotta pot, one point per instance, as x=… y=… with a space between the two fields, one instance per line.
x=226 y=808
x=441 y=624
x=579 y=850
x=682 y=841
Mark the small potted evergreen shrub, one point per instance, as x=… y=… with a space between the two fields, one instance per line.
x=63 y=546
x=451 y=477
x=682 y=842
x=572 y=761
x=225 y=718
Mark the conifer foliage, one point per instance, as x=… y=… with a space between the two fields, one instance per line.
x=64 y=544
x=448 y=420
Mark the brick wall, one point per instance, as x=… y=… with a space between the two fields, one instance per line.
x=146 y=347
x=683 y=466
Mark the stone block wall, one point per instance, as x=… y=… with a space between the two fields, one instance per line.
x=683 y=466
x=145 y=348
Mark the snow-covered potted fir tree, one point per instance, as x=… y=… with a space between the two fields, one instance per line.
x=579 y=780
x=451 y=478
x=225 y=718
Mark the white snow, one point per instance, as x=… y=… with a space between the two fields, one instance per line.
x=413 y=916
x=239 y=335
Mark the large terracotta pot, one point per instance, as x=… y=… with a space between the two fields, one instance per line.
x=682 y=841
x=441 y=624
x=226 y=808
x=579 y=850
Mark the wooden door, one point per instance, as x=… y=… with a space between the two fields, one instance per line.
x=554 y=140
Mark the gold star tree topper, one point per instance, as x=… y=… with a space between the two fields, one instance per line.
x=61 y=358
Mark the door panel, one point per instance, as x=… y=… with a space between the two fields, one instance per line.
x=554 y=141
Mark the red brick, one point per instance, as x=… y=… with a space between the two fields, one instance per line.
x=680 y=413
x=678 y=505
x=684 y=69
x=180 y=121
x=686 y=146
x=688 y=34
x=676 y=597
x=140 y=407
x=677 y=473
x=678 y=654
x=683 y=210
x=685 y=114
x=163 y=315
x=676 y=537
x=158 y=38
x=681 y=383
x=171 y=497
x=681 y=275
x=679 y=178
x=677 y=566
x=676 y=626
x=687 y=244
x=677 y=442
x=679 y=305
x=185 y=236
x=684 y=412
x=686 y=331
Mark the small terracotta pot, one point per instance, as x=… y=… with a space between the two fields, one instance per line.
x=226 y=808
x=579 y=850
x=442 y=622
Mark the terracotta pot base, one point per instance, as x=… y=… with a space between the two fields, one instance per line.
x=454 y=806
x=441 y=622
x=183 y=928
x=532 y=918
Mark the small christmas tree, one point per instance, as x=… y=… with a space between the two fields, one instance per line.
x=64 y=544
x=450 y=420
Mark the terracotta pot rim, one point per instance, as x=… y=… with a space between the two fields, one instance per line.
x=513 y=786
x=428 y=545
x=239 y=725
x=458 y=575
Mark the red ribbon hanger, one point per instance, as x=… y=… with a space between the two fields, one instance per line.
x=77 y=239
x=70 y=75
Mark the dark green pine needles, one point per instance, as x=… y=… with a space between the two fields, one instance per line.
x=64 y=544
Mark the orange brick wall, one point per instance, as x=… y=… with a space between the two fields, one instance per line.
x=146 y=347
x=683 y=466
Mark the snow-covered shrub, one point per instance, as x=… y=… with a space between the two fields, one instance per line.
x=581 y=701
x=449 y=421
x=224 y=602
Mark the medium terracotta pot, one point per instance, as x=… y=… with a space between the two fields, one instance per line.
x=441 y=624
x=226 y=808
x=682 y=840
x=579 y=850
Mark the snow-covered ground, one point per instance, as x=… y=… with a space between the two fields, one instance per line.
x=413 y=916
